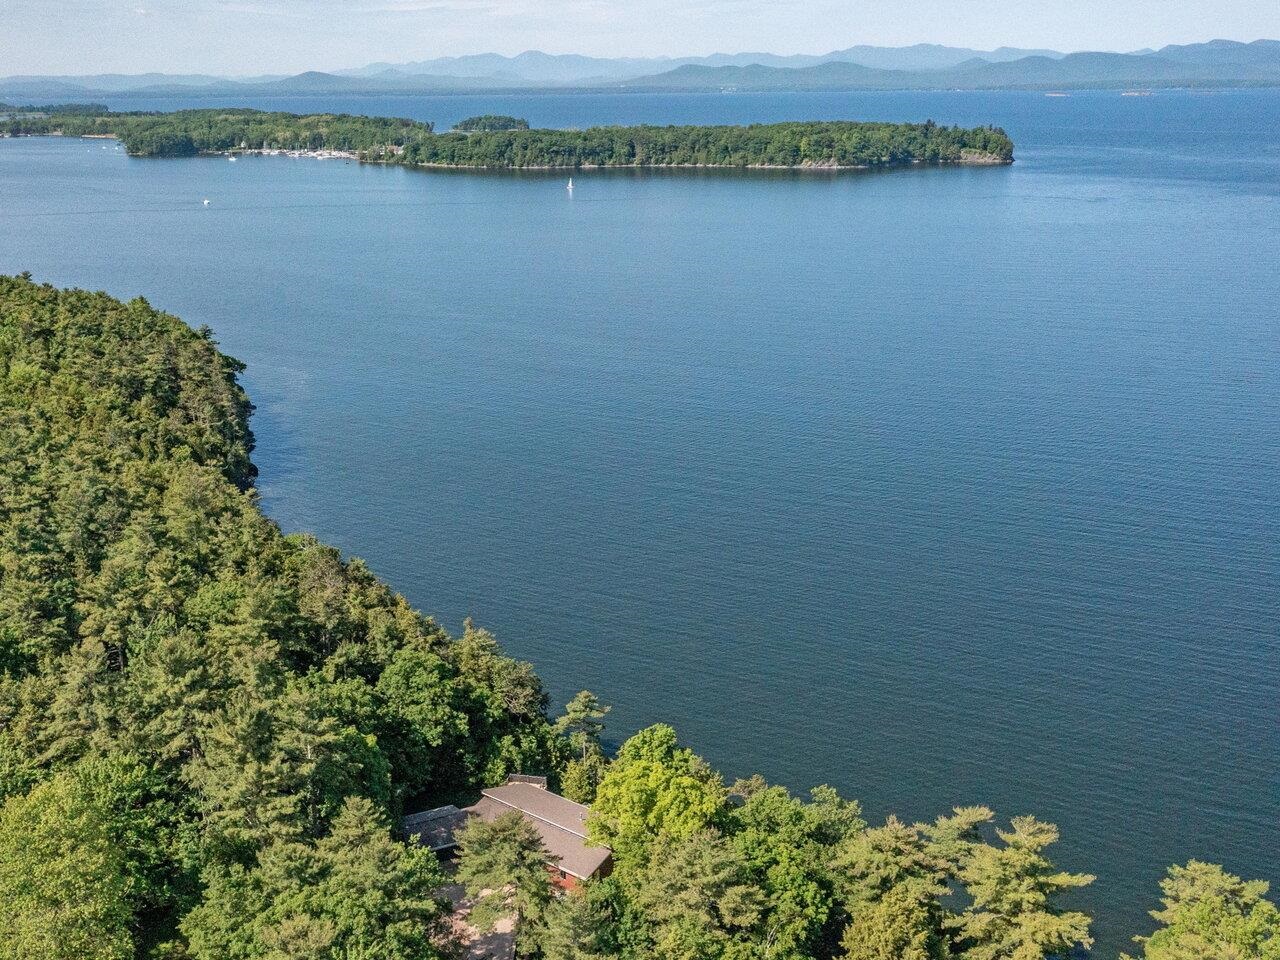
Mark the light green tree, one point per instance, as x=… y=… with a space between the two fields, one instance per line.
x=875 y=861
x=1210 y=914
x=653 y=787
x=902 y=924
x=1013 y=888
x=63 y=885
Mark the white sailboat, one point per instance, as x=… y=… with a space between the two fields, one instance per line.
x=570 y=186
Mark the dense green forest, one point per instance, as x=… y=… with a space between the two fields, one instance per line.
x=188 y=132
x=845 y=144
x=489 y=123
x=208 y=731
x=408 y=142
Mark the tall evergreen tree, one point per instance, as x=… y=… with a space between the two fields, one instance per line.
x=1209 y=914
x=503 y=866
x=1014 y=888
x=902 y=924
x=577 y=928
x=353 y=893
x=583 y=722
x=697 y=895
x=581 y=778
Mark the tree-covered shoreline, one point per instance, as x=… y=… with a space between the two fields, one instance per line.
x=796 y=145
x=208 y=729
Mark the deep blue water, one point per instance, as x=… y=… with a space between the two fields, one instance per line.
x=943 y=486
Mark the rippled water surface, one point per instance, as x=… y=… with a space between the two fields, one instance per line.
x=943 y=486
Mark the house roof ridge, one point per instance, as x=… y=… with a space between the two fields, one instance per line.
x=579 y=833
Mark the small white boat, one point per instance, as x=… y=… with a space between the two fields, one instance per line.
x=232 y=159
x=570 y=186
x=205 y=201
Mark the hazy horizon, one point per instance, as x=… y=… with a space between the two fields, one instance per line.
x=250 y=37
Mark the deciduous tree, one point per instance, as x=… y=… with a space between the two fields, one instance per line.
x=64 y=892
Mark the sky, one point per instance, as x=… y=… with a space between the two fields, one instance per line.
x=245 y=37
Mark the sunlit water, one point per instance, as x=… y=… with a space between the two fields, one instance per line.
x=943 y=486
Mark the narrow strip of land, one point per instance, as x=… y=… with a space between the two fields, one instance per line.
x=822 y=145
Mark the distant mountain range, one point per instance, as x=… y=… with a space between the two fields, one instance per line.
x=919 y=67
x=543 y=68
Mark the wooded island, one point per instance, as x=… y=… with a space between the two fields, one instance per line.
x=798 y=145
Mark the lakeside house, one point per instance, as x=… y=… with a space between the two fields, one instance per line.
x=560 y=823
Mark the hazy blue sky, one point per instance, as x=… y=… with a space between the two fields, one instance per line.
x=253 y=36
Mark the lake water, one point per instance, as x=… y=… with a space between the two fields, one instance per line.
x=943 y=486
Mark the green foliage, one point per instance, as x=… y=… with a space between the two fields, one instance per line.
x=788 y=844
x=503 y=865
x=696 y=896
x=507 y=142
x=579 y=927
x=821 y=144
x=900 y=925
x=1209 y=914
x=64 y=886
x=353 y=893
x=771 y=875
x=489 y=123
x=653 y=787
x=280 y=769
x=187 y=132
x=581 y=777
x=1013 y=888
x=583 y=722
x=220 y=689
x=47 y=108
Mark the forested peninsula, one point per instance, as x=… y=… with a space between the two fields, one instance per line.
x=209 y=731
x=478 y=144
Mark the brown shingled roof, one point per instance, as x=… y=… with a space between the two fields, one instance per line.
x=542 y=805
x=567 y=849
x=560 y=823
x=434 y=829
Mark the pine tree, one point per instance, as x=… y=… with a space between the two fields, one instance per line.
x=583 y=722
x=503 y=865
x=80 y=718
x=1013 y=888
x=577 y=929
x=353 y=893
x=699 y=882
x=582 y=777
x=901 y=925
x=1209 y=914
